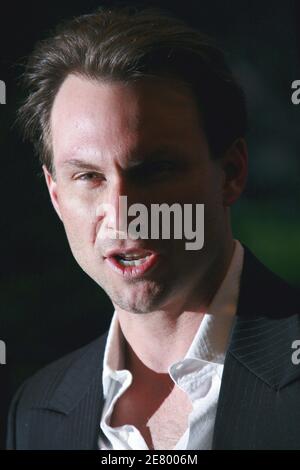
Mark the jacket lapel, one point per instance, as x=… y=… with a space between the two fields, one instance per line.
x=258 y=364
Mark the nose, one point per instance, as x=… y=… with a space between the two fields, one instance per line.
x=120 y=195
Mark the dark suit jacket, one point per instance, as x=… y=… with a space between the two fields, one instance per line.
x=259 y=405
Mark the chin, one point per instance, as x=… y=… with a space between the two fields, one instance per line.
x=139 y=300
x=144 y=304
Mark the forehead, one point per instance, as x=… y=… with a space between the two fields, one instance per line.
x=91 y=116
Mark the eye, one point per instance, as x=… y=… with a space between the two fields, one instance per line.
x=89 y=177
x=157 y=169
x=161 y=166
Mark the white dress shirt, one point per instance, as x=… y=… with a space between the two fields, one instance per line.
x=198 y=374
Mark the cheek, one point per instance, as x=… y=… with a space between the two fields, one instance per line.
x=207 y=189
x=77 y=216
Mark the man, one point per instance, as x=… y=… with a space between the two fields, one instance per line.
x=199 y=351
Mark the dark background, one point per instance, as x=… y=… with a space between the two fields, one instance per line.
x=48 y=306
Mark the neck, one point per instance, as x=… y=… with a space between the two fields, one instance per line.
x=157 y=339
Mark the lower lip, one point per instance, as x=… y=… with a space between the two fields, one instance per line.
x=132 y=272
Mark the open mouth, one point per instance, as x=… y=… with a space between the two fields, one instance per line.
x=132 y=260
x=132 y=264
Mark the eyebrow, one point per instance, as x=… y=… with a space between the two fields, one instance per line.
x=76 y=162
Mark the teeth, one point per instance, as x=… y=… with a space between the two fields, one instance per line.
x=131 y=256
x=133 y=262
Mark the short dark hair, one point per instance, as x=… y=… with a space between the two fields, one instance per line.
x=129 y=44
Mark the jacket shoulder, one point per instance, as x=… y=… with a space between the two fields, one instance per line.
x=262 y=288
x=50 y=385
x=49 y=377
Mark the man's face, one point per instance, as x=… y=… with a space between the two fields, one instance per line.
x=144 y=141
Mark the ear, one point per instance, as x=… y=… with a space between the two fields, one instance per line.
x=235 y=170
x=52 y=188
